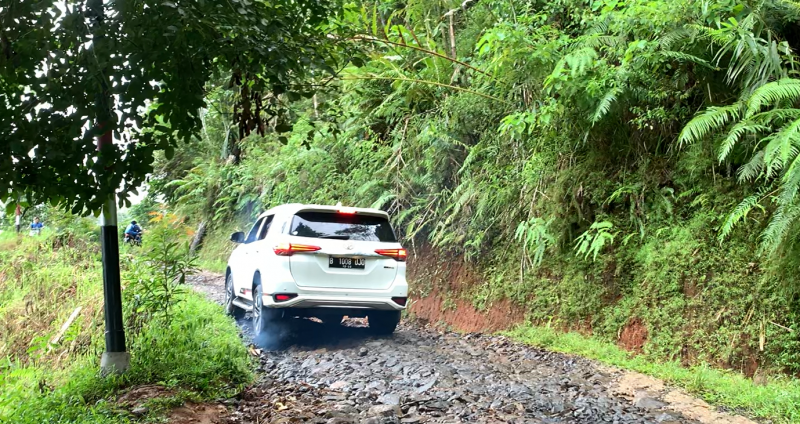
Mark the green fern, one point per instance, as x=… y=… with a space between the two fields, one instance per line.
x=593 y=240
x=786 y=90
x=711 y=120
x=783 y=221
x=739 y=213
x=782 y=148
x=685 y=57
x=753 y=168
x=383 y=200
x=739 y=130
x=605 y=104
x=575 y=62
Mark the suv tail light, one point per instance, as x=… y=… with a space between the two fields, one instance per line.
x=283 y=297
x=289 y=249
x=400 y=300
x=397 y=254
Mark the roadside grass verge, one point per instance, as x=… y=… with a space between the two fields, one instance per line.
x=778 y=400
x=199 y=357
x=196 y=355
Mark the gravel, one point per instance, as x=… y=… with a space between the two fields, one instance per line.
x=315 y=373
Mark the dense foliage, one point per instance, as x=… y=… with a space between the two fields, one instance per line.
x=591 y=158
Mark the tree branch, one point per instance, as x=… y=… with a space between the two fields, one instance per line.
x=430 y=52
x=454 y=87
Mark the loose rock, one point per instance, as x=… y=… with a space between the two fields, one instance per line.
x=139 y=411
x=315 y=373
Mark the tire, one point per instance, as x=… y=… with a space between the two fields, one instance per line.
x=263 y=317
x=231 y=309
x=383 y=322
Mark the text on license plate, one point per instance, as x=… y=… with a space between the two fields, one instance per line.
x=348 y=263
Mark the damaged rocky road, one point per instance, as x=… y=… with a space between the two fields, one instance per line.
x=316 y=373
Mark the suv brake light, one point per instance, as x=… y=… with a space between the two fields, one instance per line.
x=283 y=297
x=397 y=254
x=289 y=249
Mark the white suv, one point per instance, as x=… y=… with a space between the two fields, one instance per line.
x=318 y=261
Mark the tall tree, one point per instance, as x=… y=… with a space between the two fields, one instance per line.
x=151 y=69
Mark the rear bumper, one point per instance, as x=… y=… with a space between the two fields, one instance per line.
x=328 y=298
x=315 y=302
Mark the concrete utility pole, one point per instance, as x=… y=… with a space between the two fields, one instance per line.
x=115 y=359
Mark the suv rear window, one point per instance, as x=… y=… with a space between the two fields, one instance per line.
x=342 y=226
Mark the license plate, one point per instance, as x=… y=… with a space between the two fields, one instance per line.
x=347 y=263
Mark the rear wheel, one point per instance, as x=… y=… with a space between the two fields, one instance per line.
x=262 y=316
x=384 y=322
x=230 y=295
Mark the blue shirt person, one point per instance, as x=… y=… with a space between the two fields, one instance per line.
x=133 y=229
x=36 y=225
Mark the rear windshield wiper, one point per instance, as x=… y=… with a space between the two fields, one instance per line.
x=335 y=237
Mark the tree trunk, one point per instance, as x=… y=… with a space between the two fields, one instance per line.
x=453 y=52
x=197 y=240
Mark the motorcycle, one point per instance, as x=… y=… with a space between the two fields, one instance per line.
x=133 y=240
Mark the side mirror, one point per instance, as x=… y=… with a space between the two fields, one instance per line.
x=237 y=237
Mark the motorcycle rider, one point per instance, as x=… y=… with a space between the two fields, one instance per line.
x=133 y=231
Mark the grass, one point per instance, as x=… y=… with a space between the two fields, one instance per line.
x=197 y=356
x=213 y=265
x=778 y=400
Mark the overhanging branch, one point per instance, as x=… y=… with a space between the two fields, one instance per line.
x=436 y=83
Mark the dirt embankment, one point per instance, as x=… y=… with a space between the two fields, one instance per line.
x=440 y=294
x=440 y=285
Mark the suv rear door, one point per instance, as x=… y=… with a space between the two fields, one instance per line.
x=346 y=258
x=242 y=261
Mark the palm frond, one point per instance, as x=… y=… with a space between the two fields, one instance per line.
x=668 y=40
x=782 y=148
x=753 y=168
x=599 y=41
x=791 y=184
x=605 y=104
x=775 y=115
x=581 y=59
x=576 y=62
x=711 y=120
x=735 y=134
x=784 y=90
x=381 y=201
x=739 y=213
x=779 y=227
x=685 y=57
